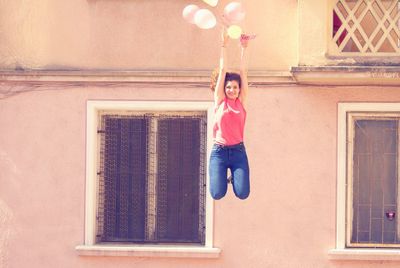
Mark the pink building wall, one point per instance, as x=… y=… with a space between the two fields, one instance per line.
x=288 y=221
x=291 y=134
x=130 y=35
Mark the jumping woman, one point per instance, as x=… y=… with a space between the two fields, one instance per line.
x=228 y=152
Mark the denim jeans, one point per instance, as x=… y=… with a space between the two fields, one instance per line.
x=235 y=158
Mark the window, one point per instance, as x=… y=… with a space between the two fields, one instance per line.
x=368 y=181
x=369 y=28
x=355 y=42
x=152 y=179
x=373 y=180
x=146 y=178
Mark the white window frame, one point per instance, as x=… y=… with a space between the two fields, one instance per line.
x=90 y=247
x=340 y=251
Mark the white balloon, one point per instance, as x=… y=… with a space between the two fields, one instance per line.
x=212 y=3
x=234 y=12
x=189 y=12
x=205 y=19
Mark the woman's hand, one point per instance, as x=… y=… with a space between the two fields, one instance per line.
x=244 y=43
x=245 y=38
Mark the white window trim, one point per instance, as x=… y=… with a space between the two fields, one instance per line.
x=341 y=252
x=90 y=247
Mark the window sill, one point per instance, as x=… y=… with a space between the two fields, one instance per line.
x=347 y=75
x=149 y=251
x=365 y=254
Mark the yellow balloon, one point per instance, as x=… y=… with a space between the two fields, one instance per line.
x=234 y=31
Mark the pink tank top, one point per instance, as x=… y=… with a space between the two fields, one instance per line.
x=230 y=117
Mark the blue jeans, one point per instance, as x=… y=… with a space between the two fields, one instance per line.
x=235 y=158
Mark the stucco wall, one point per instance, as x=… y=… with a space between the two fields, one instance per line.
x=139 y=34
x=291 y=135
x=288 y=221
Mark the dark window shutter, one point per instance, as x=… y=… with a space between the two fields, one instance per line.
x=375 y=181
x=124 y=179
x=178 y=180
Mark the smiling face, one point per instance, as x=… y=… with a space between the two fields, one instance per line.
x=232 y=89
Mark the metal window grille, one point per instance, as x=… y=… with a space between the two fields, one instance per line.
x=375 y=183
x=366 y=27
x=152 y=178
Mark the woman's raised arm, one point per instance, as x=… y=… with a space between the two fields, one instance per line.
x=243 y=71
x=219 y=93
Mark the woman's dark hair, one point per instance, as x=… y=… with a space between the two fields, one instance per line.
x=233 y=77
x=230 y=76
